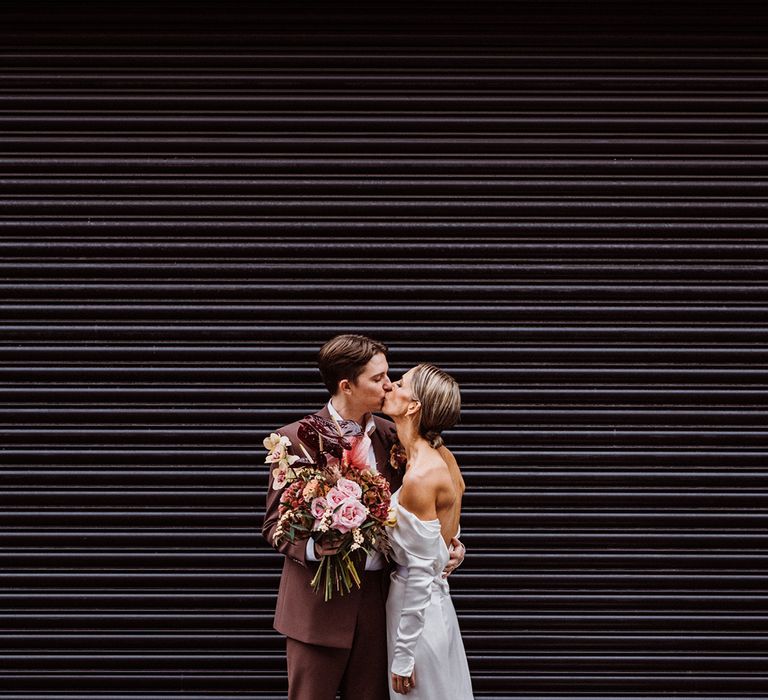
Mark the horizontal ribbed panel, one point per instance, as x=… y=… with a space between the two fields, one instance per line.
x=564 y=206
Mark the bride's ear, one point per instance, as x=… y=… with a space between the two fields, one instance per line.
x=413 y=408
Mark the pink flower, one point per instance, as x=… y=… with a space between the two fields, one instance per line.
x=335 y=498
x=357 y=455
x=349 y=488
x=318 y=506
x=352 y=514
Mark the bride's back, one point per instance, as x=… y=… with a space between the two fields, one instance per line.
x=449 y=510
x=435 y=472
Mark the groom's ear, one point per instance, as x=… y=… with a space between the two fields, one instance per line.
x=345 y=387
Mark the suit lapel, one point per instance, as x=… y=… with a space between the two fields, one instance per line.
x=383 y=438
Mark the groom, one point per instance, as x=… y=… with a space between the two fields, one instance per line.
x=340 y=644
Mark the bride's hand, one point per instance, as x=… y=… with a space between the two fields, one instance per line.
x=403 y=684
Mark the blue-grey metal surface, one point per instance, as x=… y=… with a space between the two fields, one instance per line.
x=565 y=208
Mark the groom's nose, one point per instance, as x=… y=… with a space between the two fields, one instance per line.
x=387 y=386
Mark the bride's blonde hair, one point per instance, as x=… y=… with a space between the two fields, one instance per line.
x=440 y=400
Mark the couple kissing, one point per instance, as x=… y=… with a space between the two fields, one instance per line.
x=367 y=509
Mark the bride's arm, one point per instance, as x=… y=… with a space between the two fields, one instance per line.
x=417 y=497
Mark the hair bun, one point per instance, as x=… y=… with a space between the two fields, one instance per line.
x=434 y=438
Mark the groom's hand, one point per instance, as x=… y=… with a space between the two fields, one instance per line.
x=457 y=551
x=325 y=548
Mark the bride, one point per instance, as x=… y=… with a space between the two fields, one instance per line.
x=426 y=653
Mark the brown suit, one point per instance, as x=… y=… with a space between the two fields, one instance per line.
x=347 y=631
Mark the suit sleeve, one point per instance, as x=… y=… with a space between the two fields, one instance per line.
x=295 y=550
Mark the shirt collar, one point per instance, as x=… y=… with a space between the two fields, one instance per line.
x=370 y=426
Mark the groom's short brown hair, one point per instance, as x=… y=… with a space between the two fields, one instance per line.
x=344 y=357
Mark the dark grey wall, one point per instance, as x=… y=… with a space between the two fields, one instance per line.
x=562 y=204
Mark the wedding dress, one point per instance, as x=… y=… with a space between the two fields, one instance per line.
x=422 y=628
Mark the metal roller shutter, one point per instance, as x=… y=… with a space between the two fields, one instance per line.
x=562 y=205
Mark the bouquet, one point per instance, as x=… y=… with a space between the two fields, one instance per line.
x=333 y=497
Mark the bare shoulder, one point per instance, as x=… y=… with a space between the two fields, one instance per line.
x=423 y=486
x=432 y=470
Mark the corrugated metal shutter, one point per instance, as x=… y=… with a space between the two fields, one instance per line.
x=563 y=207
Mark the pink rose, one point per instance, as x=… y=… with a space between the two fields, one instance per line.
x=318 y=506
x=352 y=514
x=335 y=498
x=349 y=488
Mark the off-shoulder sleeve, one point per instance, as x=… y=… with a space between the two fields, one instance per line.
x=416 y=542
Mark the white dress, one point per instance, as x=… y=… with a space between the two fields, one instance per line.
x=422 y=628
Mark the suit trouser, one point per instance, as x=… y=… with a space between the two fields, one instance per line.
x=360 y=673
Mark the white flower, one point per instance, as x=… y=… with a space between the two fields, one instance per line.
x=279 y=478
x=357 y=536
x=277 y=449
x=275 y=439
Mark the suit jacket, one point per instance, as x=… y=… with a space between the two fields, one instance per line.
x=301 y=613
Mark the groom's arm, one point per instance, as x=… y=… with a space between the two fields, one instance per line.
x=297 y=551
